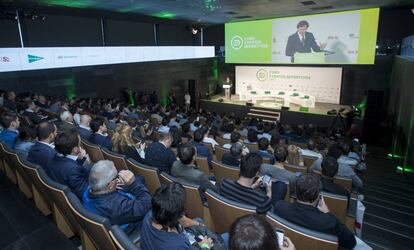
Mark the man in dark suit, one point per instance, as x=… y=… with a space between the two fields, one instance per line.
x=84 y=128
x=159 y=155
x=302 y=41
x=65 y=167
x=202 y=150
x=310 y=211
x=329 y=170
x=99 y=135
x=10 y=101
x=30 y=112
x=43 y=150
x=233 y=159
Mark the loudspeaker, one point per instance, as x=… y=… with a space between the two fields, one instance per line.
x=250 y=104
x=285 y=108
x=220 y=100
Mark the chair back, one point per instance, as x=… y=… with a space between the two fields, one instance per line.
x=93 y=150
x=10 y=170
x=224 y=211
x=220 y=151
x=121 y=239
x=303 y=238
x=209 y=146
x=117 y=159
x=253 y=147
x=337 y=204
x=223 y=171
x=95 y=226
x=150 y=174
x=295 y=168
x=194 y=204
x=266 y=160
x=202 y=164
x=302 y=145
x=220 y=140
x=308 y=160
x=344 y=182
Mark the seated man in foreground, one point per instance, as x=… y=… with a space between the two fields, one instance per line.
x=310 y=211
x=117 y=196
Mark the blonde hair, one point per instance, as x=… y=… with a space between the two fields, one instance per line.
x=294 y=156
x=122 y=137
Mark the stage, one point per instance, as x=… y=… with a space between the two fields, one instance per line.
x=272 y=111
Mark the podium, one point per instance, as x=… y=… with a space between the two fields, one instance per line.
x=226 y=88
x=313 y=57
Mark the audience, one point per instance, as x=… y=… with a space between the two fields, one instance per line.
x=10 y=123
x=235 y=138
x=329 y=170
x=164 y=126
x=84 y=128
x=66 y=121
x=233 y=158
x=311 y=150
x=294 y=157
x=254 y=232
x=202 y=150
x=310 y=211
x=10 y=101
x=44 y=149
x=251 y=136
x=65 y=167
x=117 y=196
x=159 y=155
x=30 y=112
x=99 y=135
x=186 y=170
x=123 y=143
x=25 y=141
x=263 y=150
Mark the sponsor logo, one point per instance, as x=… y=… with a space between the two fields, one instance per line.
x=236 y=42
x=66 y=57
x=4 y=59
x=32 y=58
x=262 y=75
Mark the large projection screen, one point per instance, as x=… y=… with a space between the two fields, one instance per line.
x=347 y=37
x=322 y=83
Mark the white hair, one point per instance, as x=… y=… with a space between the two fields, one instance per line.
x=66 y=116
x=102 y=173
x=85 y=120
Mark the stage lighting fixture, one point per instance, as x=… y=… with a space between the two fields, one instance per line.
x=194 y=30
x=34 y=16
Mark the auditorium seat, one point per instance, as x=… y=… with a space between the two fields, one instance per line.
x=220 y=151
x=10 y=171
x=223 y=171
x=266 y=160
x=301 y=237
x=93 y=150
x=150 y=174
x=209 y=146
x=253 y=147
x=118 y=159
x=221 y=141
x=202 y=164
x=121 y=239
x=224 y=211
x=301 y=145
x=342 y=181
x=338 y=205
x=194 y=204
x=308 y=160
x=295 y=169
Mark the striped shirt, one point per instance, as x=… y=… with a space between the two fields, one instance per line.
x=234 y=191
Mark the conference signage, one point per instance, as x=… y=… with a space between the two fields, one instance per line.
x=16 y=59
x=335 y=38
x=320 y=82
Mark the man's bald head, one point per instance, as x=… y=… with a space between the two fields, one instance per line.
x=85 y=120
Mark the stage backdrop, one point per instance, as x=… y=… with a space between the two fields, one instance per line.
x=322 y=83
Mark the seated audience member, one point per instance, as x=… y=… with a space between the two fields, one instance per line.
x=84 y=128
x=251 y=137
x=263 y=147
x=311 y=150
x=99 y=136
x=185 y=129
x=42 y=102
x=25 y=142
x=173 y=120
x=235 y=138
x=159 y=155
x=266 y=132
x=163 y=226
x=294 y=157
x=186 y=170
x=10 y=101
x=277 y=170
x=123 y=143
x=245 y=189
x=65 y=167
x=202 y=150
x=254 y=232
x=30 y=112
x=10 y=123
x=113 y=120
x=66 y=121
x=344 y=158
x=233 y=159
x=176 y=135
x=117 y=196
x=207 y=138
x=44 y=149
x=329 y=170
x=310 y=211
x=164 y=126
x=344 y=170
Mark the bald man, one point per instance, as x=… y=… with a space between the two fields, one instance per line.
x=84 y=129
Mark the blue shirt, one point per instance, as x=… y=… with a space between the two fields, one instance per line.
x=23 y=147
x=9 y=137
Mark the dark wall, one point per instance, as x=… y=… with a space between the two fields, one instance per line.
x=174 y=35
x=129 y=33
x=9 y=34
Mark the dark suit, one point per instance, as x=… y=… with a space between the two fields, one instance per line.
x=40 y=154
x=35 y=118
x=230 y=160
x=68 y=172
x=310 y=217
x=157 y=155
x=294 y=45
x=329 y=186
x=10 y=105
x=84 y=133
x=100 y=140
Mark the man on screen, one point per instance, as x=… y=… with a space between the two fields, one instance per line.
x=302 y=41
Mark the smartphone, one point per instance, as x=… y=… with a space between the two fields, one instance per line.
x=280 y=235
x=266 y=179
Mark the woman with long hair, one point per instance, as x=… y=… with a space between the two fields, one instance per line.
x=123 y=143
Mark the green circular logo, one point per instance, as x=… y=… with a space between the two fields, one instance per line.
x=262 y=75
x=237 y=42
